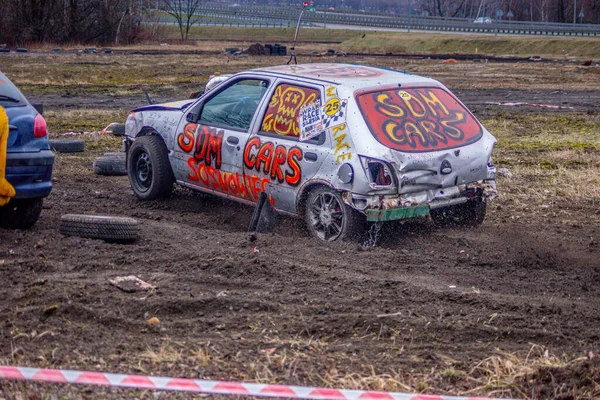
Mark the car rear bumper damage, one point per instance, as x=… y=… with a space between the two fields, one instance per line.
x=30 y=173
x=397 y=207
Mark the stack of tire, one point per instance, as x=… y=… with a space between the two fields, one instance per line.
x=276 y=49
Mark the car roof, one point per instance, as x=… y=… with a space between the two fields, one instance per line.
x=353 y=76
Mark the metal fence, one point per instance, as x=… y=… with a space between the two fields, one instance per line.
x=282 y=16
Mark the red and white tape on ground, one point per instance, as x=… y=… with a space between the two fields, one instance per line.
x=205 y=386
x=104 y=131
x=529 y=104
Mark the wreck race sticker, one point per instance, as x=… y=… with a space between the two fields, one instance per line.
x=310 y=121
x=418 y=119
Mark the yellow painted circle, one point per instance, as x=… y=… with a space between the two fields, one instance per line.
x=332 y=106
x=404 y=95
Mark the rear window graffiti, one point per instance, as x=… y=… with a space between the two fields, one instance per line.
x=283 y=111
x=418 y=119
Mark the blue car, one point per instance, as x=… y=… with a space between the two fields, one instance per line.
x=29 y=159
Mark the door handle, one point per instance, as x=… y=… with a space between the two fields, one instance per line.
x=309 y=156
x=232 y=140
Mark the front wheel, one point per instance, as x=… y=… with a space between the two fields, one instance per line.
x=471 y=214
x=21 y=213
x=328 y=218
x=149 y=169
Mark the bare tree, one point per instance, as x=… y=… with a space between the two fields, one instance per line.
x=185 y=13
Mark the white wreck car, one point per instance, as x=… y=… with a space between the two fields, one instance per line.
x=335 y=144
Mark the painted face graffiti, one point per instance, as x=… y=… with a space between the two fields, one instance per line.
x=205 y=143
x=284 y=108
x=278 y=163
x=419 y=119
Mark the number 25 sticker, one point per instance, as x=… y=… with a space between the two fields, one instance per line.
x=332 y=106
x=404 y=95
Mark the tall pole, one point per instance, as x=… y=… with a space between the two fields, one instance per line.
x=409 y=12
x=574 y=12
x=293 y=55
x=496 y=15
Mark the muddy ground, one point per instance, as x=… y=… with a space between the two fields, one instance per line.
x=509 y=309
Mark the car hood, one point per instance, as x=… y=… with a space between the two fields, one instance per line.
x=172 y=106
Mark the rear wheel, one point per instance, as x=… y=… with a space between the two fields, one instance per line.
x=149 y=169
x=328 y=218
x=20 y=213
x=471 y=213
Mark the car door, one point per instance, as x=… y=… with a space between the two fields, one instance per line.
x=275 y=155
x=210 y=140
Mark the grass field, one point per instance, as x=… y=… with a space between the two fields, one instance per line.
x=372 y=41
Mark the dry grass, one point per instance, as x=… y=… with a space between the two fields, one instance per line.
x=552 y=157
x=62 y=120
x=317 y=363
x=433 y=43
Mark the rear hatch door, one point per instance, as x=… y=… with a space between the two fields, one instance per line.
x=434 y=141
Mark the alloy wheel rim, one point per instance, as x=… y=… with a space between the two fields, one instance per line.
x=327 y=216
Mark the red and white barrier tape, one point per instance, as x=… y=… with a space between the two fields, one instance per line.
x=529 y=104
x=206 y=386
x=104 y=131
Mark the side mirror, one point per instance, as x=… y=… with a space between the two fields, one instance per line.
x=191 y=117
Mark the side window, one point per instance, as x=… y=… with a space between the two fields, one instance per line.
x=281 y=117
x=234 y=107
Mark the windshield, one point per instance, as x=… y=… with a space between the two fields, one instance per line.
x=418 y=119
x=9 y=94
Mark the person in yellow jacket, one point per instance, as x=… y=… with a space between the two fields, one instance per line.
x=6 y=189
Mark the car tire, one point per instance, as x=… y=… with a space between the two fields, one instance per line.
x=328 y=218
x=149 y=169
x=117 y=229
x=111 y=165
x=118 y=130
x=67 y=145
x=20 y=213
x=470 y=214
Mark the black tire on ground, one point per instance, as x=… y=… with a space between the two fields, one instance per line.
x=117 y=229
x=115 y=154
x=20 y=213
x=67 y=145
x=328 y=218
x=470 y=214
x=110 y=165
x=149 y=169
x=118 y=129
